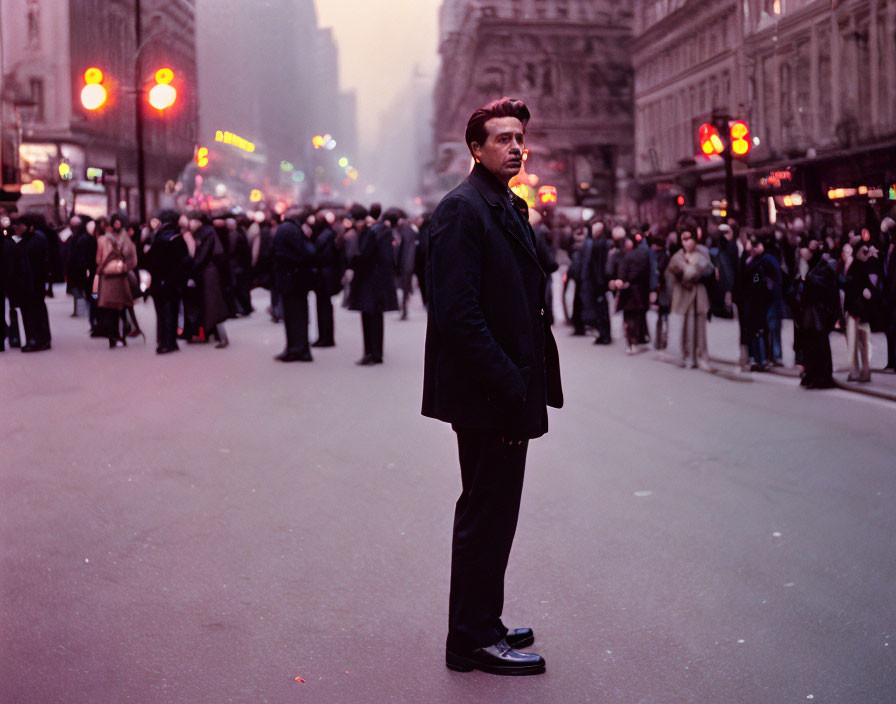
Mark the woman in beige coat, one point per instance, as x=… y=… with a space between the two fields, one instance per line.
x=116 y=255
x=690 y=300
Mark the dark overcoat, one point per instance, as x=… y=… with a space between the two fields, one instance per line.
x=207 y=275
x=634 y=269
x=373 y=286
x=491 y=361
x=27 y=269
x=330 y=263
x=168 y=261
x=294 y=260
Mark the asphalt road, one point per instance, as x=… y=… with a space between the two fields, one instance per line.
x=208 y=526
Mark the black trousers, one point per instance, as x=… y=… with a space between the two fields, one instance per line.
x=167 y=304
x=295 y=319
x=372 y=327
x=602 y=315
x=891 y=339
x=36 y=322
x=326 y=327
x=485 y=519
x=817 y=357
x=2 y=320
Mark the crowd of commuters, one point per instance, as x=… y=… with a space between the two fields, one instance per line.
x=200 y=269
x=825 y=281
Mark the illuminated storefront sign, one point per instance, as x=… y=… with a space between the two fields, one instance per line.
x=234 y=140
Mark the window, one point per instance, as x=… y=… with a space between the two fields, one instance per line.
x=37 y=95
x=33 y=16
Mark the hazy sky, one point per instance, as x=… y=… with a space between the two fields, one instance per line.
x=379 y=43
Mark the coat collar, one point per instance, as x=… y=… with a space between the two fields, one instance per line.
x=497 y=195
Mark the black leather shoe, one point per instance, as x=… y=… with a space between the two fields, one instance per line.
x=366 y=361
x=497 y=659
x=294 y=357
x=36 y=347
x=167 y=350
x=318 y=343
x=520 y=638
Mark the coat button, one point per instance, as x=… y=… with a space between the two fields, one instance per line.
x=542 y=313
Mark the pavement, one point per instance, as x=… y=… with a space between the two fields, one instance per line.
x=209 y=526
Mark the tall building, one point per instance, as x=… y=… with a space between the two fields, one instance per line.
x=814 y=79
x=569 y=60
x=45 y=48
x=270 y=74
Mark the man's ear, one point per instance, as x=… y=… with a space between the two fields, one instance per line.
x=476 y=149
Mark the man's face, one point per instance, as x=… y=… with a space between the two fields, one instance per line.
x=502 y=153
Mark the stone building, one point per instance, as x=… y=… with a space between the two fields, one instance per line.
x=569 y=60
x=814 y=79
x=45 y=48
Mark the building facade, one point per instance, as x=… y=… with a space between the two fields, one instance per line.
x=814 y=79
x=569 y=60
x=46 y=49
x=270 y=73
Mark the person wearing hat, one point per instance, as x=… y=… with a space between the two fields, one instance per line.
x=372 y=291
x=491 y=368
x=169 y=264
x=294 y=277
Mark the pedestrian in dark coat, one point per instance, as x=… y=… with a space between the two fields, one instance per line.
x=546 y=260
x=5 y=255
x=206 y=275
x=420 y=256
x=491 y=369
x=239 y=253
x=596 y=275
x=27 y=274
x=372 y=290
x=80 y=253
x=169 y=264
x=818 y=308
x=407 y=254
x=328 y=282
x=888 y=228
x=294 y=276
x=633 y=287
x=753 y=295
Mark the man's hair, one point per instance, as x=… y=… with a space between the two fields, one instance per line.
x=503 y=107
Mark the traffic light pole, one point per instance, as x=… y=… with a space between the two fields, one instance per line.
x=729 y=182
x=138 y=111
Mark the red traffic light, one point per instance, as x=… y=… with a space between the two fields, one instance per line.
x=710 y=141
x=680 y=200
x=163 y=95
x=93 y=94
x=740 y=138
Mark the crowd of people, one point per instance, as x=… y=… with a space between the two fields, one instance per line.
x=825 y=281
x=200 y=268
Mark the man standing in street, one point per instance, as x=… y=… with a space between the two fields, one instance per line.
x=294 y=276
x=491 y=370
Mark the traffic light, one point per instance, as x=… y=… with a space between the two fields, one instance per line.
x=710 y=141
x=740 y=138
x=93 y=94
x=163 y=95
x=202 y=157
x=65 y=171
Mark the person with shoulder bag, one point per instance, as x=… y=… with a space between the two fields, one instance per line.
x=116 y=255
